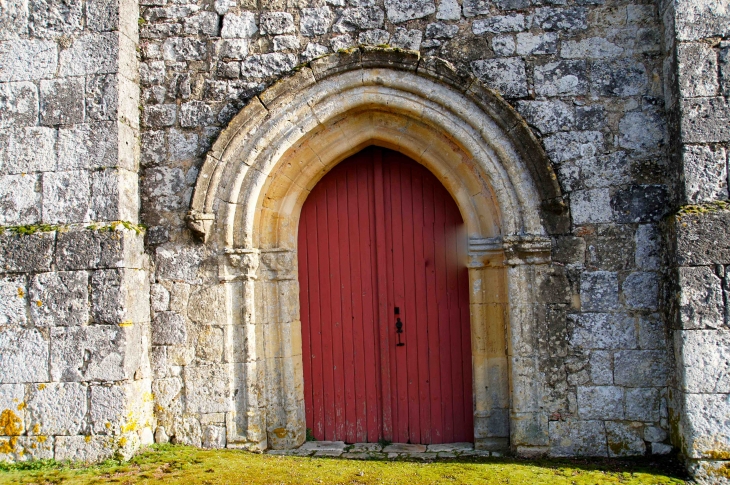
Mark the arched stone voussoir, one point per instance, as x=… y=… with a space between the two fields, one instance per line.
x=291 y=97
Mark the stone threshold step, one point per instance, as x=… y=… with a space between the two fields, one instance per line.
x=375 y=451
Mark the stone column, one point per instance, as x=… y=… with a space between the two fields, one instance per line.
x=73 y=274
x=697 y=86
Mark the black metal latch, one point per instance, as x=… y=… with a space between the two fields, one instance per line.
x=398 y=327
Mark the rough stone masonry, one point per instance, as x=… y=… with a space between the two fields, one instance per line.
x=115 y=329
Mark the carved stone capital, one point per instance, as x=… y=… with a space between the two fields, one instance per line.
x=200 y=223
x=280 y=264
x=522 y=249
x=241 y=263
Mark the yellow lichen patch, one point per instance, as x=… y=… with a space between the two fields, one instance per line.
x=280 y=432
x=10 y=423
x=126 y=323
x=36 y=428
x=108 y=425
x=41 y=438
x=21 y=406
x=21 y=293
x=39 y=303
x=8 y=446
x=87 y=438
x=718 y=455
x=41 y=387
x=148 y=397
x=122 y=441
x=130 y=425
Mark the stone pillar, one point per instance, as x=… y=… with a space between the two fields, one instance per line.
x=697 y=86
x=74 y=288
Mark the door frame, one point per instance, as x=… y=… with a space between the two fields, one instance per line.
x=249 y=195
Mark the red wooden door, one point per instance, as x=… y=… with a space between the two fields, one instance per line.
x=378 y=232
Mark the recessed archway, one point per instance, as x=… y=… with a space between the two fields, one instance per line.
x=250 y=193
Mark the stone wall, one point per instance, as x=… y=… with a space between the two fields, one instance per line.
x=587 y=78
x=74 y=312
x=697 y=81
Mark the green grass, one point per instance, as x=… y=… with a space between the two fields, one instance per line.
x=187 y=465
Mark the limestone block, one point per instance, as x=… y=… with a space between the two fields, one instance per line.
x=232 y=48
x=19 y=199
x=178 y=264
x=373 y=37
x=596 y=172
x=603 y=402
x=641 y=368
x=697 y=69
x=119 y=296
x=625 y=439
x=27 y=60
x=641 y=291
x=499 y=24
x=28 y=149
x=567 y=146
x=169 y=328
x=448 y=10
x=184 y=49
x=23 y=355
x=49 y=19
x=184 y=146
x=26 y=253
x=642 y=131
x=158 y=362
x=590 y=48
x=407 y=39
x=640 y=203
x=601 y=368
x=286 y=43
x=476 y=7
x=701 y=302
x=359 y=18
x=537 y=44
x=503 y=46
x=207 y=388
x=114 y=195
x=62 y=101
x=120 y=408
x=103 y=15
x=13 y=300
x=92 y=249
x=60 y=299
x=622 y=77
x=698 y=19
x=590 y=117
x=560 y=19
x=571 y=438
x=705 y=173
x=651 y=332
x=210 y=344
x=647 y=247
x=705 y=424
x=704 y=120
x=241 y=26
x=179 y=297
x=66 y=197
x=88 y=146
x=267 y=66
x=702 y=239
x=402 y=10
x=602 y=331
x=547 y=116
x=14 y=19
x=12 y=405
x=202 y=23
x=724 y=60
x=88 y=449
x=164 y=188
x=151 y=73
x=705 y=360
x=652 y=433
x=195 y=114
x=96 y=352
x=206 y=304
x=276 y=23
x=28 y=448
x=159 y=298
x=187 y=431
x=96 y=53
x=507 y=75
x=562 y=78
x=166 y=391
x=599 y=291
x=56 y=408
x=643 y=404
x=18 y=103
x=315 y=21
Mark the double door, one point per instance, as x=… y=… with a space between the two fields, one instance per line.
x=381 y=241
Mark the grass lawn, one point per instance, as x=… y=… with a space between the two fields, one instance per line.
x=187 y=465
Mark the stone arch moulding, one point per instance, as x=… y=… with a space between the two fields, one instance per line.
x=255 y=179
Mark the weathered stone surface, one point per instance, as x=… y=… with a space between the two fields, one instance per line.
x=91 y=249
x=159 y=298
x=407 y=39
x=652 y=333
x=324 y=446
x=91 y=449
x=60 y=298
x=647 y=247
x=26 y=253
x=475 y=7
x=13 y=300
x=705 y=359
x=504 y=46
x=595 y=172
x=560 y=19
x=590 y=48
x=62 y=101
x=448 y=10
x=570 y=438
x=537 y=44
x=14 y=19
x=202 y=23
x=705 y=173
x=66 y=197
x=643 y=131
x=167 y=391
x=508 y=75
x=56 y=408
x=241 y=26
x=643 y=404
x=574 y=144
x=265 y=66
x=119 y=296
x=641 y=291
x=30 y=448
x=701 y=302
x=95 y=353
x=704 y=120
x=315 y=21
x=18 y=104
x=603 y=402
x=312 y=51
x=625 y=439
x=184 y=49
x=640 y=203
x=440 y=30
x=207 y=389
x=19 y=200
x=602 y=331
x=704 y=433
x=27 y=60
x=697 y=69
x=599 y=291
x=702 y=239
x=27 y=150
x=402 y=10
x=404 y=448
x=48 y=18
x=591 y=206
x=641 y=368
x=169 y=328
x=359 y=18
x=562 y=78
x=23 y=355
x=701 y=18
x=286 y=43
x=88 y=146
x=499 y=24
x=623 y=77
x=91 y=54
x=547 y=116
x=276 y=23
x=601 y=368
x=178 y=265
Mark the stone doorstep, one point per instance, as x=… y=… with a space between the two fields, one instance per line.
x=404 y=448
x=451 y=447
x=323 y=446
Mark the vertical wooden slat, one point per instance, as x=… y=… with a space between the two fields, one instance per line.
x=304 y=316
